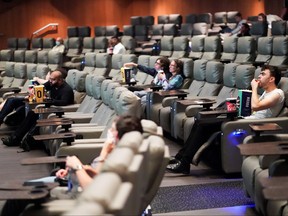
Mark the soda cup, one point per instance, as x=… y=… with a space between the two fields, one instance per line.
x=231 y=104
x=39 y=93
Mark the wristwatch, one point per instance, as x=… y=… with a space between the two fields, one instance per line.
x=78 y=167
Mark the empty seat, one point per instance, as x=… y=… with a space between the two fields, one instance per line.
x=147 y=20
x=259 y=29
x=48 y=43
x=246 y=50
x=12 y=43
x=136 y=20
x=279 y=52
x=279 y=28
x=166 y=45
x=129 y=30
x=200 y=29
x=30 y=56
x=100 y=31
x=170 y=29
x=191 y=18
x=88 y=45
x=19 y=56
x=229 y=49
x=42 y=57
x=205 y=18
x=180 y=47
x=5 y=56
x=102 y=64
x=197 y=47
x=264 y=50
x=84 y=31
x=37 y=43
x=89 y=63
x=74 y=47
x=163 y=19
x=141 y=33
x=176 y=19
x=129 y=43
x=72 y=31
x=212 y=48
x=112 y=30
x=231 y=21
x=186 y=30
x=23 y=43
x=100 y=44
x=55 y=60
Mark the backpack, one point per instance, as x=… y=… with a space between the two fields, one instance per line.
x=29 y=143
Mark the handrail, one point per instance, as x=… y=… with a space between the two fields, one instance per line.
x=44 y=27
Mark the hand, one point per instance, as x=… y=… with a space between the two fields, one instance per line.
x=161 y=76
x=61 y=173
x=72 y=161
x=254 y=84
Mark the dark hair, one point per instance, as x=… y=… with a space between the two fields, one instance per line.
x=274 y=72
x=165 y=62
x=238 y=14
x=62 y=71
x=263 y=16
x=127 y=123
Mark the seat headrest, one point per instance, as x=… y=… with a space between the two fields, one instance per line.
x=96 y=86
x=149 y=127
x=244 y=76
x=229 y=75
x=131 y=140
x=214 y=72
x=200 y=69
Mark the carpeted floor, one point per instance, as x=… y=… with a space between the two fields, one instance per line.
x=203 y=196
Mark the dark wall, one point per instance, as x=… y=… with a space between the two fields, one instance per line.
x=20 y=18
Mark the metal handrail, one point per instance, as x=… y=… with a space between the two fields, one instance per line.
x=44 y=27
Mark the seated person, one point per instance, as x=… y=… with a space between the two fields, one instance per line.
x=84 y=173
x=115 y=46
x=61 y=94
x=233 y=32
x=268 y=105
x=245 y=30
x=173 y=82
x=59 y=47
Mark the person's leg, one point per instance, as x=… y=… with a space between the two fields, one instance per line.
x=200 y=133
x=14 y=207
x=28 y=123
x=9 y=106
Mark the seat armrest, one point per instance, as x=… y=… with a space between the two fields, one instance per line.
x=77 y=59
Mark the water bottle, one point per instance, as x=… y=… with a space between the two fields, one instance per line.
x=73 y=183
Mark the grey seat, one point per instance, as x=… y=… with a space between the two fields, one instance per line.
x=280 y=51
x=100 y=44
x=37 y=43
x=246 y=50
x=55 y=60
x=229 y=49
x=48 y=43
x=84 y=31
x=166 y=45
x=5 y=56
x=12 y=43
x=264 y=49
x=180 y=47
x=19 y=56
x=205 y=18
x=186 y=30
x=200 y=29
x=102 y=64
x=111 y=30
x=197 y=47
x=23 y=44
x=74 y=47
x=191 y=18
x=212 y=48
x=100 y=31
x=129 y=44
x=279 y=28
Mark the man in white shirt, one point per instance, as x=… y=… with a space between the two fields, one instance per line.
x=115 y=46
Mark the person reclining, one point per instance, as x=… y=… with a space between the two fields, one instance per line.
x=268 y=105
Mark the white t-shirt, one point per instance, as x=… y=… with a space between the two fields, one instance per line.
x=119 y=49
x=272 y=111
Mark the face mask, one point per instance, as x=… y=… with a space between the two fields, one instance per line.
x=57 y=43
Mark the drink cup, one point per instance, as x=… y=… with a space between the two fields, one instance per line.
x=39 y=93
x=231 y=104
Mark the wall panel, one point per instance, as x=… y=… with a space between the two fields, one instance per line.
x=20 y=18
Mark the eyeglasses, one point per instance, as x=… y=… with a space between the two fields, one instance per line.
x=173 y=65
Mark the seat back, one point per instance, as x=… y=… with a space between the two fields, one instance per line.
x=259 y=29
x=84 y=31
x=278 y=28
x=231 y=21
x=140 y=76
x=5 y=55
x=170 y=29
x=74 y=46
x=129 y=43
x=205 y=18
x=100 y=44
x=229 y=48
x=48 y=43
x=8 y=77
x=280 y=51
x=19 y=74
x=212 y=48
x=187 y=72
x=37 y=43
x=264 y=49
x=76 y=79
x=199 y=76
x=90 y=62
x=186 y=30
x=128 y=103
x=246 y=50
x=111 y=30
x=42 y=57
x=220 y=19
x=180 y=47
x=23 y=44
x=200 y=29
x=157 y=32
x=19 y=56
x=72 y=31
x=30 y=56
x=191 y=18
x=213 y=78
x=55 y=60
x=197 y=47
x=128 y=30
x=88 y=45
x=141 y=33
x=100 y=31
x=12 y=43
x=166 y=46
x=103 y=64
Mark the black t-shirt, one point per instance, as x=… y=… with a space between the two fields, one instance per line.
x=60 y=96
